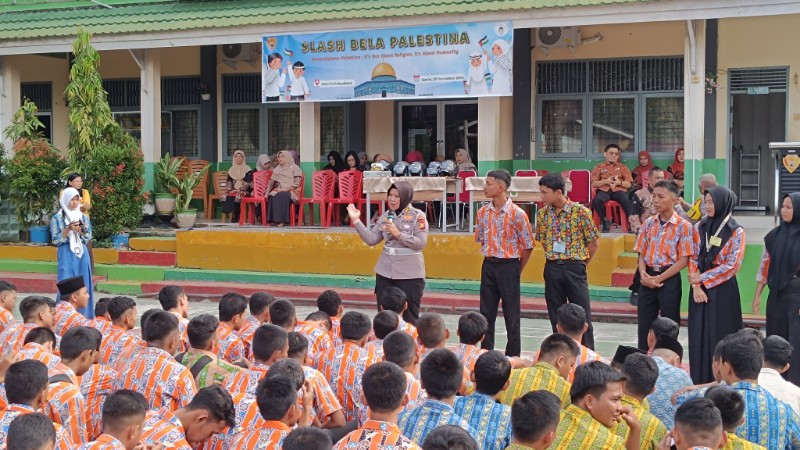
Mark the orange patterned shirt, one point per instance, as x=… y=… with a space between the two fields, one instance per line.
x=6 y=319
x=32 y=350
x=67 y=317
x=662 y=245
x=103 y=442
x=505 y=233
x=182 y=324
x=115 y=343
x=231 y=347
x=617 y=170
x=268 y=437
x=343 y=367
x=162 y=427
x=377 y=435
x=325 y=400
x=163 y=381
x=246 y=333
x=728 y=261
x=319 y=341
x=336 y=334
x=96 y=385
x=12 y=411
x=101 y=324
x=245 y=381
x=67 y=407
x=13 y=337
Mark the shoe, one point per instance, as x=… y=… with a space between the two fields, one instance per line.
x=606 y=226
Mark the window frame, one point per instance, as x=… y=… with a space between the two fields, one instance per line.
x=173 y=109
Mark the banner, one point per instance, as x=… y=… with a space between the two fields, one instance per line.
x=442 y=61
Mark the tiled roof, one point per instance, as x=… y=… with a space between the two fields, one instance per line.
x=31 y=19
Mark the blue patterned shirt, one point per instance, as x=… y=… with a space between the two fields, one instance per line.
x=767 y=421
x=670 y=380
x=416 y=423
x=492 y=420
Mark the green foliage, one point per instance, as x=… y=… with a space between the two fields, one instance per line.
x=167 y=174
x=90 y=118
x=116 y=170
x=25 y=124
x=185 y=188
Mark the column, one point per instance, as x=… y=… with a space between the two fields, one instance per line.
x=151 y=112
x=488 y=134
x=10 y=92
x=310 y=140
x=694 y=104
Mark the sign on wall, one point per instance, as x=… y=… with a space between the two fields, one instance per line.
x=442 y=61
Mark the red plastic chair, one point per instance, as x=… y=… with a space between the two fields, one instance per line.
x=350 y=182
x=615 y=214
x=293 y=206
x=526 y=173
x=322 y=188
x=260 y=182
x=581 y=191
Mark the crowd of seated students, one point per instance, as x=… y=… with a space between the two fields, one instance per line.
x=269 y=381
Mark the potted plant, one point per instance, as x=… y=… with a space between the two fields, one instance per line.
x=185 y=215
x=166 y=182
x=33 y=173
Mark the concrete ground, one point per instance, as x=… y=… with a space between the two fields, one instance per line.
x=607 y=335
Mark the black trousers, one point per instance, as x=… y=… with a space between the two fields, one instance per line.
x=665 y=300
x=500 y=280
x=565 y=281
x=413 y=287
x=783 y=319
x=602 y=197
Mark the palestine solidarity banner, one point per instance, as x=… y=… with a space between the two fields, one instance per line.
x=443 y=61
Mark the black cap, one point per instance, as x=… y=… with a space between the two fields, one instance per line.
x=68 y=286
x=623 y=351
x=669 y=344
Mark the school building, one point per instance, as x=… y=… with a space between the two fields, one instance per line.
x=717 y=77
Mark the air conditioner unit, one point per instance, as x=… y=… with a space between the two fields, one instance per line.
x=558 y=37
x=232 y=53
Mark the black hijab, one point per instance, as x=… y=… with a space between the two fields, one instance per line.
x=783 y=246
x=338 y=163
x=724 y=202
x=405 y=192
x=357 y=160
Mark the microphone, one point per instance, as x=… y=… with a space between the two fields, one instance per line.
x=391 y=216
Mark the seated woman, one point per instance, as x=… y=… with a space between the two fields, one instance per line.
x=464 y=161
x=353 y=162
x=283 y=190
x=676 y=169
x=335 y=163
x=641 y=171
x=237 y=187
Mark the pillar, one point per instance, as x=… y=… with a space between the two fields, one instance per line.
x=488 y=134
x=151 y=112
x=694 y=104
x=10 y=92
x=310 y=140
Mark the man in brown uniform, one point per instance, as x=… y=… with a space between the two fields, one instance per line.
x=611 y=179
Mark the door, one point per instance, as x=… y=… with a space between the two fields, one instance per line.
x=758 y=117
x=438 y=129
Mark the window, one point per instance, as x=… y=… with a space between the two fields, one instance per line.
x=332 y=129
x=243 y=131
x=42 y=95
x=283 y=129
x=582 y=106
x=185 y=135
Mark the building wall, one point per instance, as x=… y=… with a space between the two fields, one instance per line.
x=380 y=127
x=37 y=68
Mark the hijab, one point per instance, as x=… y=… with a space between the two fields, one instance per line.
x=357 y=159
x=70 y=216
x=676 y=168
x=338 y=163
x=238 y=171
x=783 y=245
x=284 y=174
x=263 y=162
x=406 y=193
x=467 y=164
x=640 y=171
x=724 y=202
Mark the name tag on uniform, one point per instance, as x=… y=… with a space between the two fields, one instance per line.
x=559 y=247
x=715 y=241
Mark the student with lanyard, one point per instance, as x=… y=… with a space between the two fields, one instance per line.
x=569 y=237
x=715 y=309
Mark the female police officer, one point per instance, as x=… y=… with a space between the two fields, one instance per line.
x=405 y=230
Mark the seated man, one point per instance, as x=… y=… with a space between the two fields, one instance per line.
x=642 y=373
x=612 y=179
x=232 y=310
x=556 y=361
x=394 y=299
x=472 y=327
x=175 y=301
x=283 y=314
x=667 y=354
x=490 y=375
x=73 y=296
x=697 y=210
x=276 y=398
x=642 y=200
x=596 y=407
x=259 y=314
x=698 y=425
x=102 y=321
x=731 y=410
x=534 y=421
x=573 y=322
x=382 y=324
x=777 y=354
x=327 y=409
x=123 y=422
x=270 y=344
x=8 y=298
x=36 y=311
x=41 y=344
x=305 y=438
x=449 y=437
x=123 y=314
x=203 y=362
x=32 y=431
x=330 y=302
x=441 y=373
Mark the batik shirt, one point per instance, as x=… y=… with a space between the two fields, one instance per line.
x=66 y=406
x=661 y=245
x=376 y=435
x=319 y=341
x=67 y=317
x=344 y=367
x=12 y=411
x=578 y=430
x=183 y=323
x=247 y=417
x=490 y=419
x=115 y=343
x=670 y=380
x=336 y=333
x=37 y=352
x=414 y=392
x=103 y=442
x=246 y=332
x=652 y=430
x=163 y=381
x=374 y=349
x=325 y=400
x=606 y=170
x=213 y=373
x=101 y=324
x=269 y=437
x=13 y=337
x=162 y=427
x=6 y=319
x=505 y=233
x=542 y=376
x=767 y=421
x=736 y=443
x=231 y=347
x=728 y=261
x=573 y=226
x=96 y=385
x=246 y=380
x=467 y=354
x=416 y=423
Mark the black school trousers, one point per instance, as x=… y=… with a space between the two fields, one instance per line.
x=500 y=280
x=664 y=301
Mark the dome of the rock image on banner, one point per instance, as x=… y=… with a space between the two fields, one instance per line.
x=384 y=84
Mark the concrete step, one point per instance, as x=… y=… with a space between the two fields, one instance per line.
x=153 y=244
x=630 y=242
x=148 y=258
x=28 y=282
x=625 y=260
x=622 y=278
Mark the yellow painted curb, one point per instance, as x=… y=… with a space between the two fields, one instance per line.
x=28 y=252
x=105 y=255
x=149 y=244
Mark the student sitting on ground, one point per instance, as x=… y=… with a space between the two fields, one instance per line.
x=36 y=311
x=258 y=304
x=394 y=299
x=698 y=425
x=123 y=314
x=667 y=354
x=282 y=313
x=201 y=359
x=305 y=438
x=382 y=324
x=534 y=421
x=8 y=298
x=731 y=409
x=433 y=334
x=595 y=408
x=472 y=327
x=572 y=322
x=175 y=301
x=328 y=411
x=232 y=311
x=32 y=431
x=270 y=344
x=449 y=437
x=330 y=302
x=441 y=373
x=400 y=348
x=490 y=376
x=384 y=386
x=123 y=422
x=101 y=321
x=41 y=344
x=777 y=354
x=557 y=357
x=642 y=373
x=277 y=402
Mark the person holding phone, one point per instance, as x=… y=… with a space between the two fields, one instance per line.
x=70 y=230
x=405 y=232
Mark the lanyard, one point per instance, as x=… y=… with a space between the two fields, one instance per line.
x=716 y=235
x=556 y=228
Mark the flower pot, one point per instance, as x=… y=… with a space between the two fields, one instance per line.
x=120 y=240
x=39 y=234
x=186 y=219
x=165 y=203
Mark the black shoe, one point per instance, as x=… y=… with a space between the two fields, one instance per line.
x=606 y=226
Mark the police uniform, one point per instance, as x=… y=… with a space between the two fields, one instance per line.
x=401 y=263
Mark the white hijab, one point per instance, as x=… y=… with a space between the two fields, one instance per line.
x=70 y=216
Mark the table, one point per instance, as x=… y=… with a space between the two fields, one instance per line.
x=426 y=189
x=522 y=189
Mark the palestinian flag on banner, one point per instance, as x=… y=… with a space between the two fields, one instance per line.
x=483 y=41
x=288 y=52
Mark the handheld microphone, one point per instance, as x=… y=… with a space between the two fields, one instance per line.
x=391 y=216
